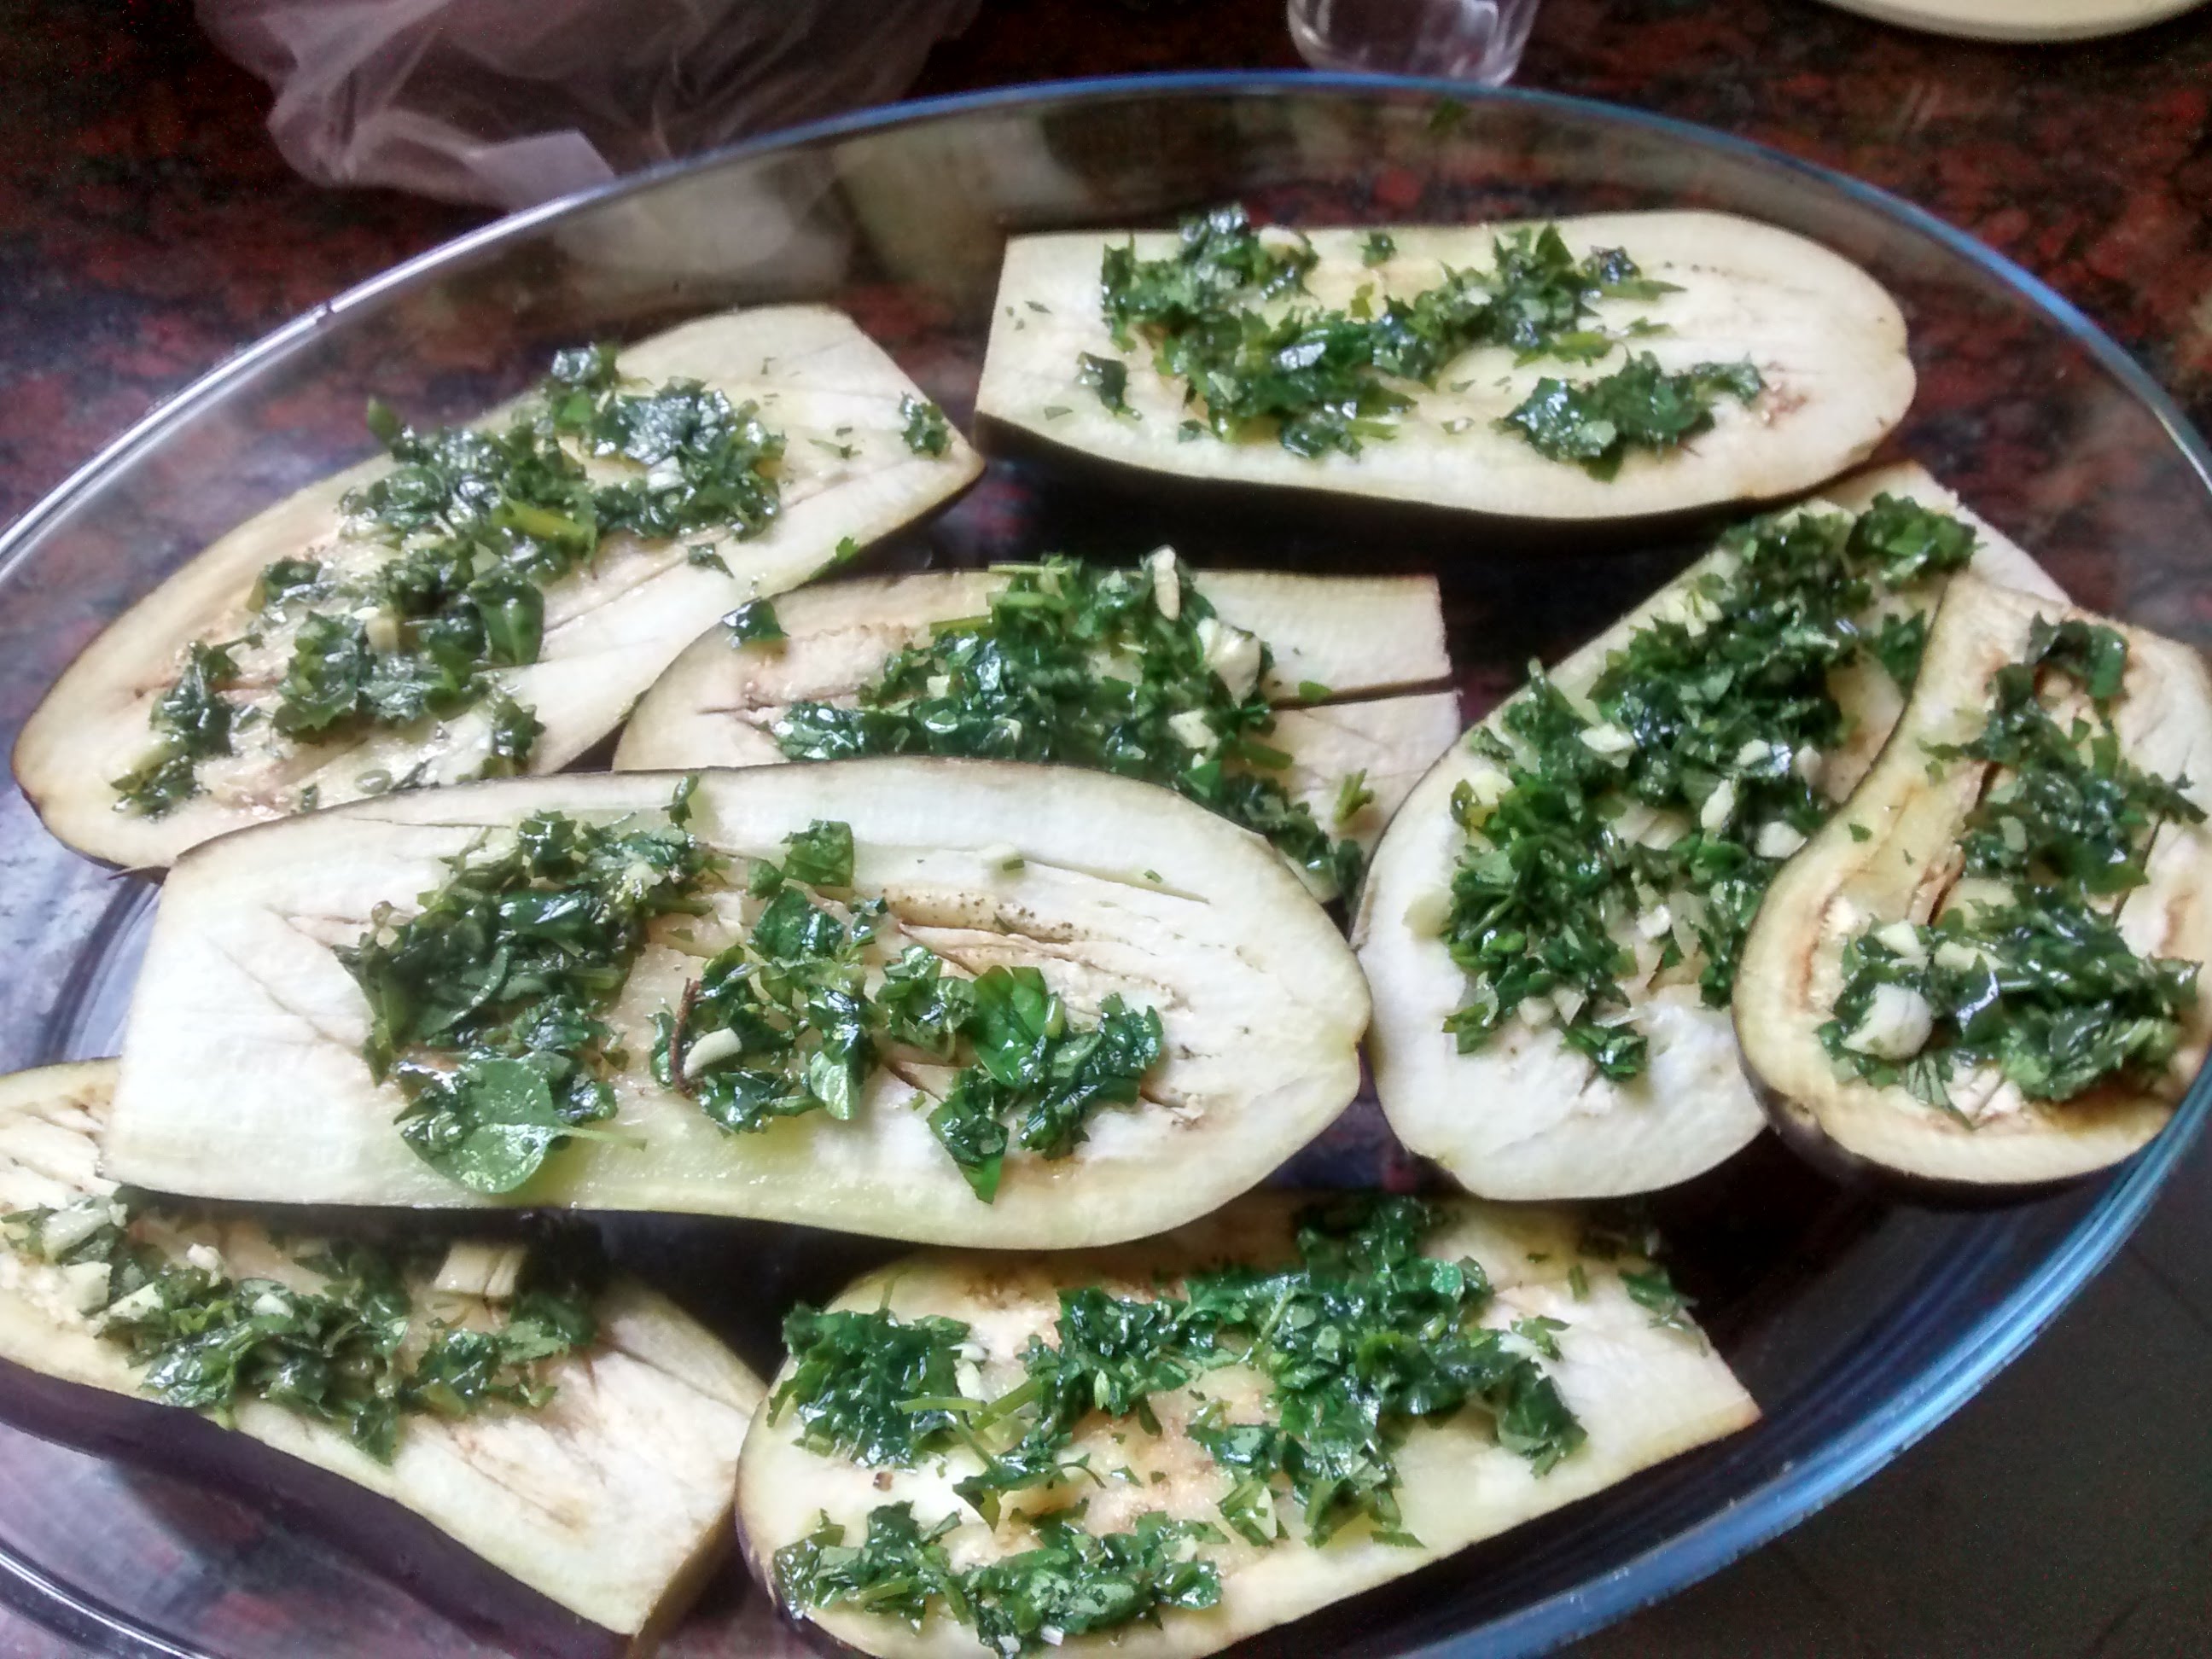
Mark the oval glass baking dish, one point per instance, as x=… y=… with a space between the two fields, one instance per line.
x=1856 y=1326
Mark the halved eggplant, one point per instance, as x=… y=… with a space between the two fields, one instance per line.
x=1892 y=854
x=243 y=1075
x=1827 y=340
x=611 y=1500
x=1528 y=1115
x=1353 y=636
x=609 y=628
x=1643 y=1394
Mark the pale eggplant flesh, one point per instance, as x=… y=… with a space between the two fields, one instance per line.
x=1641 y=1392
x=611 y=1501
x=847 y=477
x=1902 y=864
x=243 y=1076
x=1528 y=1117
x=1360 y=638
x=1828 y=341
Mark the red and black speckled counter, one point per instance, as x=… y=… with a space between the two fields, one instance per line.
x=148 y=228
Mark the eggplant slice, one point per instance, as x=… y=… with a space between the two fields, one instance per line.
x=611 y=1500
x=1643 y=1394
x=1358 y=636
x=610 y=628
x=1828 y=340
x=243 y=1075
x=1841 y=885
x=1529 y=1117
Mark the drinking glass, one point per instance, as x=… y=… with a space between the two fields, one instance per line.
x=1457 y=39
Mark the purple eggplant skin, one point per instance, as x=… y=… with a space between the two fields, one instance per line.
x=1405 y=535
x=1800 y=1132
x=393 y=1542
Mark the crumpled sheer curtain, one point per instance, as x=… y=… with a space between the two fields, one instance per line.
x=509 y=103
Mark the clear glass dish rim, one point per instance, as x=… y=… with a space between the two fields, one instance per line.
x=1811 y=1481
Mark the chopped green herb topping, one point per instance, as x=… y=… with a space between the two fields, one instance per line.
x=1076 y=665
x=1654 y=1292
x=1716 y=717
x=1638 y=406
x=1541 y=1332
x=1327 y=380
x=486 y=1004
x=514 y=732
x=287 y=581
x=477 y=524
x=752 y=622
x=782 y=1024
x=927 y=431
x=1108 y=377
x=1898 y=647
x=1363 y=1339
x=1073 y=1583
x=1038 y=1077
x=820 y=856
x=779 y=1024
x=2040 y=985
x=339 y=1354
x=856 y=1378
x=679 y=800
x=192 y=720
x=1353 y=797
x=1378 y=248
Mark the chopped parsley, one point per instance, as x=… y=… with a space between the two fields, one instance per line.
x=477 y=524
x=487 y=1005
x=1652 y=1290
x=753 y=622
x=1072 y=1582
x=783 y=1024
x=779 y=1023
x=514 y=730
x=1324 y=380
x=1541 y=1332
x=925 y=430
x=1353 y=797
x=857 y=1379
x=192 y=720
x=820 y=856
x=1716 y=716
x=1898 y=647
x=355 y=1352
x=2039 y=985
x=1108 y=377
x=1378 y=248
x=1078 y=664
x=1363 y=1339
x=1038 y=1077
x=284 y=582
x=1638 y=406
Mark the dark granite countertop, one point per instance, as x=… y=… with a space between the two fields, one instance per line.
x=148 y=228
